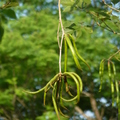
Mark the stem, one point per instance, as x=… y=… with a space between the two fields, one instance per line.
x=110 y=6
x=113 y=55
x=60 y=42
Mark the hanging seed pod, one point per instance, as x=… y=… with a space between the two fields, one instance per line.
x=54 y=101
x=73 y=52
x=116 y=83
x=111 y=82
x=65 y=61
x=76 y=51
x=101 y=71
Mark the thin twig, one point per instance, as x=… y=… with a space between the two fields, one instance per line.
x=58 y=34
x=79 y=110
x=113 y=55
x=62 y=37
x=6 y=114
x=107 y=28
x=110 y=6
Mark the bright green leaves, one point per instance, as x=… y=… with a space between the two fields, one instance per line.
x=101 y=13
x=71 y=43
x=56 y=83
x=71 y=4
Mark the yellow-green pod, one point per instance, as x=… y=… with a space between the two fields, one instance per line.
x=111 y=82
x=44 y=96
x=101 y=71
x=54 y=102
x=63 y=113
x=66 y=86
x=79 y=80
x=35 y=92
x=73 y=52
x=76 y=81
x=116 y=83
x=61 y=90
x=69 y=100
x=80 y=57
x=65 y=61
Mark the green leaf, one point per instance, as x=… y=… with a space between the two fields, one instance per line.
x=1 y=32
x=67 y=2
x=67 y=9
x=9 y=13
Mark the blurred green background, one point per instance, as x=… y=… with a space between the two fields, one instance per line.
x=29 y=57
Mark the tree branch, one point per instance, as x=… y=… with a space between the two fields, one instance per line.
x=79 y=110
x=60 y=42
x=93 y=105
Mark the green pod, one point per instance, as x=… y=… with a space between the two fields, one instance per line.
x=101 y=71
x=116 y=83
x=46 y=86
x=63 y=113
x=79 y=80
x=53 y=80
x=44 y=96
x=73 y=52
x=66 y=86
x=77 y=83
x=54 y=102
x=65 y=61
x=111 y=82
x=61 y=90
x=80 y=57
x=29 y=92
x=69 y=100
x=67 y=90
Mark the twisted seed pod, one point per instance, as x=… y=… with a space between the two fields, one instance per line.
x=57 y=92
x=63 y=113
x=66 y=86
x=79 y=80
x=77 y=85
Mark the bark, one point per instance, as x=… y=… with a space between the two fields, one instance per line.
x=79 y=110
x=93 y=105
